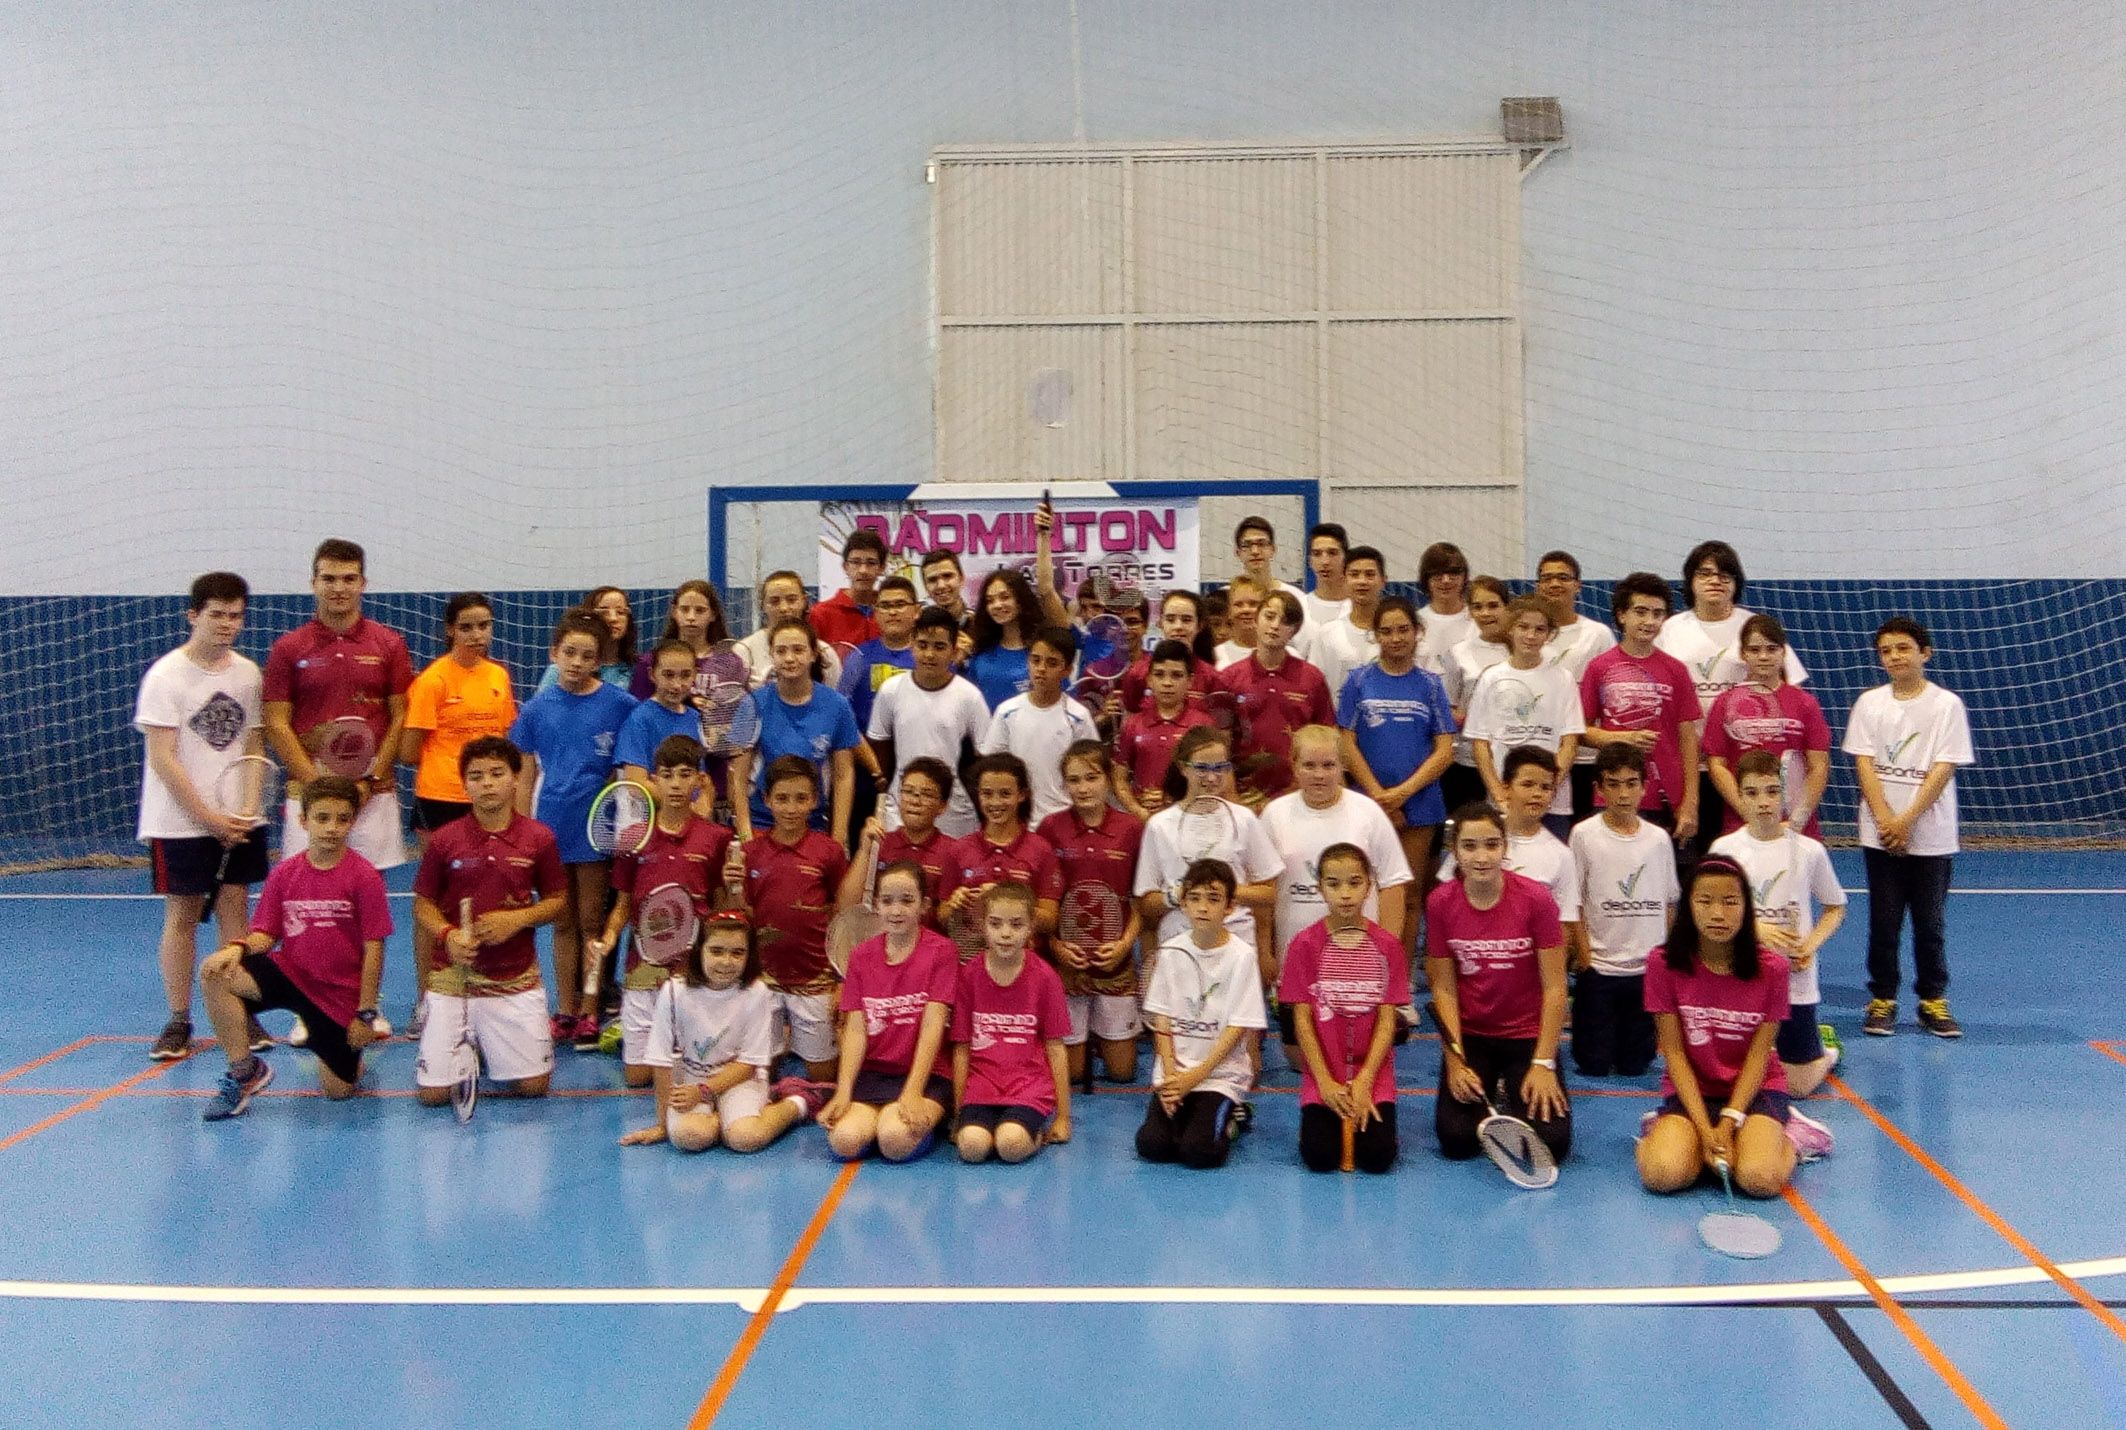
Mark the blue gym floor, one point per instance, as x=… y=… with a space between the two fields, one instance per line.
x=1960 y=1258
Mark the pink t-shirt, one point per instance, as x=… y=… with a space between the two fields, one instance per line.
x=1498 y=978
x=1623 y=692
x=1344 y=991
x=894 y=996
x=1005 y=1031
x=322 y=917
x=1720 y=1013
x=1786 y=720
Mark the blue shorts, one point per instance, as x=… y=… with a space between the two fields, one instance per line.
x=1766 y=1103
x=1800 y=1037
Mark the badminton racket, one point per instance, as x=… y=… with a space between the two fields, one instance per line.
x=730 y=718
x=1206 y=829
x=1514 y=1147
x=1733 y=1231
x=854 y=925
x=666 y=925
x=1756 y=721
x=249 y=789
x=621 y=818
x=345 y=746
x=1354 y=981
x=465 y=1056
x=1103 y=657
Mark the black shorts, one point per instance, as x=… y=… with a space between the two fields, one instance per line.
x=876 y=1089
x=989 y=1115
x=429 y=815
x=1766 y=1103
x=186 y=867
x=1800 y=1037
x=327 y=1038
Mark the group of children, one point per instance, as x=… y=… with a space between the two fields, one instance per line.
x=1105 y=876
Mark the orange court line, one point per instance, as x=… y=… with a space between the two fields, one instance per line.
x=51 y=1057
x=735 y=1363
x=1923 y=1343
x=2109 y=1050
x=91 y=1102
x=2022 y=1244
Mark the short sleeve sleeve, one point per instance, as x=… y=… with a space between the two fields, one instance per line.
x=428 y=878
x=549 y=877
x=421 y=702
x=1660 y=986
x=1543 y=918
x=962 y=1013
x=1054 y=1010
x=280 y=672
x=372 y=906
x=266 y=918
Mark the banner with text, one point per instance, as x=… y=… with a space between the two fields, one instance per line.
x=1151 y=545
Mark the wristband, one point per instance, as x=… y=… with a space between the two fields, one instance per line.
x=1549 y=1065
x=1735 y=1115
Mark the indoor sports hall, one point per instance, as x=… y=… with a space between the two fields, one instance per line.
x=536 y=300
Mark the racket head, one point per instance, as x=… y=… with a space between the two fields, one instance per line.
x=1104 y=649
x=621 y=818
x=465 y=1079
x=344 y=746
x=965 y=928
x=1206 y=826
x=730 y=720
x=666 y=925
x=1223 y=710
x=1516 y=1150
x=1091 y=915
x=1263 y=774
x=1740 y=1234
x=850 y=927
x=723 y=663
x=250 y=789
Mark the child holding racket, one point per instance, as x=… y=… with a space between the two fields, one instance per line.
x=787 y=877
x=1344 y=987
x=1200 y=822
x=1799 y=904
x=1766 y=712
x=316 y=948
x=709 y=1044
x=1497 y=966
x=1097 y=922
x=1144 y=747
x=683 y=850
x=484 y=975
x=896 y=1002
x=1205 y=998
x=1273 y=692
x=1640 y=696
x=1525 y=701
x=569 y=735
x=1628 y=893
x=1004 y=850
x=199 y=713
x=1010 y=1075
x=800 y=715
x=1717 y=1001
x=925 y=789
x=669 y=711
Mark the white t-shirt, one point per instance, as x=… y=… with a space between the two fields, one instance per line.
x=1461 y=667
x=1202 y=992
x=1246 y=849
x=717 y=1027
x=212 y=711
x=1712 y=652
x=1905 y=739
x=1299 y=832
x=1441 y=634
x=1543 y=857
x=1320 y=612
x=1039 y=737
x=1537 y=707
x=1227 y=653
x=1572 y=649
x=1340 y=648
x=930 y=722
x=761 y=669
x=1790 y=878
x=1626 y=888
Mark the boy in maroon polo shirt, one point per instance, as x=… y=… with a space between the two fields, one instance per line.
x=1144 y=746
x=316 y=948
x=341 y=663
x=1274 y=692
x=508 y=866
x=786 y=879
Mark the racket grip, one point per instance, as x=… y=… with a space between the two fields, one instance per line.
x=1350 y=1150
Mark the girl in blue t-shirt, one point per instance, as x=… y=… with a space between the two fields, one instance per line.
x=1005 y=619
x=1398 y=738
x=799 y=715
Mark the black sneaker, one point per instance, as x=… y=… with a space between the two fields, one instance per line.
x=1243 y=1118
x=1881 y=1017
x=260 y=1038
x=175 y=1042
x=1934 y=1017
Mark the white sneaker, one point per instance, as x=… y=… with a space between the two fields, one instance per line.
x=298 y=1034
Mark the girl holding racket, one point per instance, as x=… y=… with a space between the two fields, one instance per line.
x=709 y=1046
x=610 y=606
x=799 y=716
x=1002 y=851
x=1767 y=712
x=1005 y=618
x=1097 y=922
x=695 y=616
x=1496 y=959
x=1201 y=822
x=896 y=1001
x=458 y=698
x=1717 y=999
x=1345 y=985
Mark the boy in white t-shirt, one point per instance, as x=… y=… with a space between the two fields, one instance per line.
x=1628 y=896
x=1525 y=701
x=200 y=709
x=1532 y=851
x=933 y=712
x=1907 y=739
x=1799 y=904
x=1205 y=997
x=1043 y=722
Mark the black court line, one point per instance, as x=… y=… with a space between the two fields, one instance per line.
x=1877 y=1373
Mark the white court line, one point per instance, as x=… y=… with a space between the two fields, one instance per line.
x=2098 y=893
x=750 y=1298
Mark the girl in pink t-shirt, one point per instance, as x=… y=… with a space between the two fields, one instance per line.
x=896 y=1000
x=1717 y=1000
x=1767 y=712
x=1010 y=1077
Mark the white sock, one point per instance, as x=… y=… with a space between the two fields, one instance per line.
x=804 y=1108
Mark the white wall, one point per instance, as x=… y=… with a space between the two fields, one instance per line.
x=498 y=288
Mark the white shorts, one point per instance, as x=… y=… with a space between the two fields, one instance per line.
x=636 y=1005
x=748 y=1099
x=1110 y=1017
x=509 y=1028
x=804 y=1024
x=377 y=835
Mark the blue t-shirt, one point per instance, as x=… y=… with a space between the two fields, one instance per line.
x=616 y=676
x=868 y=667
x=574 y=738
x=815 y=730
x=646 y=729
x=998 y=673
x=1395 y=719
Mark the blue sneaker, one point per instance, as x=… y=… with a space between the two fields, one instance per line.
x=235 y=1093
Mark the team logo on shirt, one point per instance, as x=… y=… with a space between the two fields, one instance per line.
x=219 y=722
x=1763 y=892
x=1891 y=755
x=1626 y=903
x=703 y=1047
x=602 y=742
x=1516 y=701
x=1705 y=667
